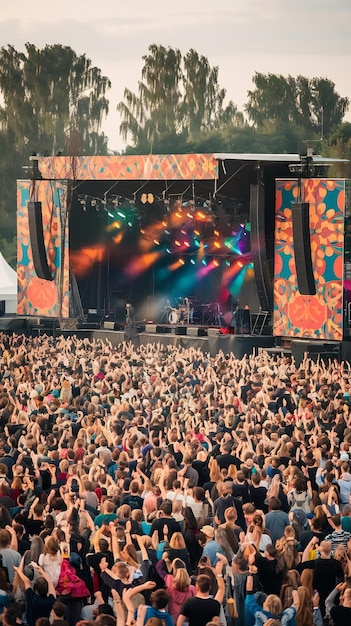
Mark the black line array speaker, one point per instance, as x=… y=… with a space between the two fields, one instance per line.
x=35 y=222
x=258 y=246
x=302 y=248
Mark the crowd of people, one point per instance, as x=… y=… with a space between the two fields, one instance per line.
x=163 y=486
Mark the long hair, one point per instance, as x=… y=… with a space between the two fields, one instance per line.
x=37 y=547
x=52 y=546
x=304 y=614
x=291 y=583
x=177 y=541
x=222 y=539
x=181 y=580
x=288 y=555
x=190 y=522
x=215 y=472
x=306 y=579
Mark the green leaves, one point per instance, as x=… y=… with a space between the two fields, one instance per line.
x=50 y=94
x=178 y=99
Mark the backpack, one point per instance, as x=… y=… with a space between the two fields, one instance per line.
x=301 y=501
x=69 y=582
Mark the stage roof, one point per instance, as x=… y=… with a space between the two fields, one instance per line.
x=273 y=158
x=157 y=167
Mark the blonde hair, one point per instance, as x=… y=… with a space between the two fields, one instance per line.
x=124 y=511
x=177 y=541
x=52 y=546
x=181 y=580
x=215 y=472
x=273 y=604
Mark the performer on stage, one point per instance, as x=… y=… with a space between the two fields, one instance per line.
x=246 y=324
x=130 y=315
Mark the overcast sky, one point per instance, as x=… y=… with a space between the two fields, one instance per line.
x=308 y=37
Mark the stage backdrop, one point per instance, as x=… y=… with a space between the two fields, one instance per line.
x=36 y=296
x=318 y=316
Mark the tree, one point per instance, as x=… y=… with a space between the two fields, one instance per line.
x=178 y=98
x=49 y=94
x=53 y=100
x=312 y=105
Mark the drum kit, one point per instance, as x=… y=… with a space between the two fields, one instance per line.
x=187 y=308
x=182 y=313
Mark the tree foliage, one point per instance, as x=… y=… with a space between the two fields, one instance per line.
x=178 y=99
x=50 y=94
x=312 y=105
x=52 y=100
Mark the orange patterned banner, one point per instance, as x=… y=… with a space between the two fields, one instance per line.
x=318 y=316
x=130 y=167
x=36 y=296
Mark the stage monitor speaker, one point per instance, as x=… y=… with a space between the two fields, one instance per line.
x=212 y=332
x=150 y=328
x=180 y=330
x=195 y=331
x=302 y=248
x=35 y=222
x=70 y=323
x=192 y=331
x=109 y=325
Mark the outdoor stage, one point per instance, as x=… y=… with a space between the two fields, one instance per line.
x=189 y=238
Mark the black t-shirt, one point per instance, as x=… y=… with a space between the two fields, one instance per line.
x=37 y=607
x=203 y=471
x=327 y=573
x=33 y=526
x=199 y=611
x=341 y=615
x=258 y=496
x=158 y=524
x=133 y=500
x=269 y=575
x=94 y=560
x=225 y=460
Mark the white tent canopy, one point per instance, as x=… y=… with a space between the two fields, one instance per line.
x=8 y=286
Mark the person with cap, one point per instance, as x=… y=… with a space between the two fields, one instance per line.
x=211 y=548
